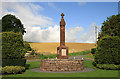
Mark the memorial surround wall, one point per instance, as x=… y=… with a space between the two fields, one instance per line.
x=58 y=65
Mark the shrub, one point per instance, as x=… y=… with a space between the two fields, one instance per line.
x=33 y=52
x=12 y=45
x=93 y=50
x=12 y=69
x=0 y=68
x=27 y=46
x=13 y=62
x=108 y=66
x=94 y=63
x=108 y=50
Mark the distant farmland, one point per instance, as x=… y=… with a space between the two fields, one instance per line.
x=51 y=48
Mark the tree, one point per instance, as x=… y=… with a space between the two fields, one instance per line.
x=0 y=25
x=11 y=23
x=111 y=26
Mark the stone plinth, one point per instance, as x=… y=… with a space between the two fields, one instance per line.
x=61 y=65
x=62 y=52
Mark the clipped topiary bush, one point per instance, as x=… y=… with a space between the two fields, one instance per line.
x=13 y=62
x=13 y=50
x=12 y=45
x=12 y=69
x=108 y=50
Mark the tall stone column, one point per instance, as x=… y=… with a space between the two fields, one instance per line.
x=62 y=50
x=62 y=31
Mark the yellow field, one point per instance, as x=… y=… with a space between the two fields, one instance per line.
x=51 y=48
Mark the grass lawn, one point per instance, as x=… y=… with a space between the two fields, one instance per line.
x=79 y=53
x=89 y=56
x=87 y=63
x=31 y=65
x=70 y=54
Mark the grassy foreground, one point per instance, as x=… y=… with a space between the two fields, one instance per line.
x=79 y=53
x=89 y=56
x=70 y=54
x=87 y=63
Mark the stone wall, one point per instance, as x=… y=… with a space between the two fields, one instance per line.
x=61 y=65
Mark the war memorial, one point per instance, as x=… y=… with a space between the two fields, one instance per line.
x=62 y=61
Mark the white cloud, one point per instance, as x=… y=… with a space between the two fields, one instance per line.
x=34 y=23
x=35 y=7
x=72 y=34
x=51 y=4
x=36 y=34
x=82 y=3
x=28 y=14
x=51 y=34
x=31 y=19
x=89 y=36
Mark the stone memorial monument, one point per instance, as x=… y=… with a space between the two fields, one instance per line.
x=62 y=63
x=62 y=50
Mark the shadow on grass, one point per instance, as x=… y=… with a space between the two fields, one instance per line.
x=27 y=66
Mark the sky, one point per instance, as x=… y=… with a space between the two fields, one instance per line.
x=42 y=19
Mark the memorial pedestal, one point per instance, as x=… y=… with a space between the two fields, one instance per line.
x=58 y=65
x=62 y=52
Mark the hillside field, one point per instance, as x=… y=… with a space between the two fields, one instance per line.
x=51 y=48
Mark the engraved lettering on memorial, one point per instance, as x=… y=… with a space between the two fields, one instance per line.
x=63 y=52
x=58 y=51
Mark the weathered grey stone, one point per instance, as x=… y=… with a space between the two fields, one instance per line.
x=61 y=65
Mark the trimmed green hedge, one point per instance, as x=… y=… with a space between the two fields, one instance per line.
x=13 y=50
x=12 y=69
x=13 y=62
x=12 y=45
x=108 y=50
x=108 y=66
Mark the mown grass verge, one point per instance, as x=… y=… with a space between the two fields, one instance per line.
x=87 y=63
x=79 y=53
x=89 y=56
x=70 y=54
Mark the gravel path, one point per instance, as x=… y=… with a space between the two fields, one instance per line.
x=77 y=57
x=80 y=57
x=85 y=70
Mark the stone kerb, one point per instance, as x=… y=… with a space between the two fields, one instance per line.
x=62 y=65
